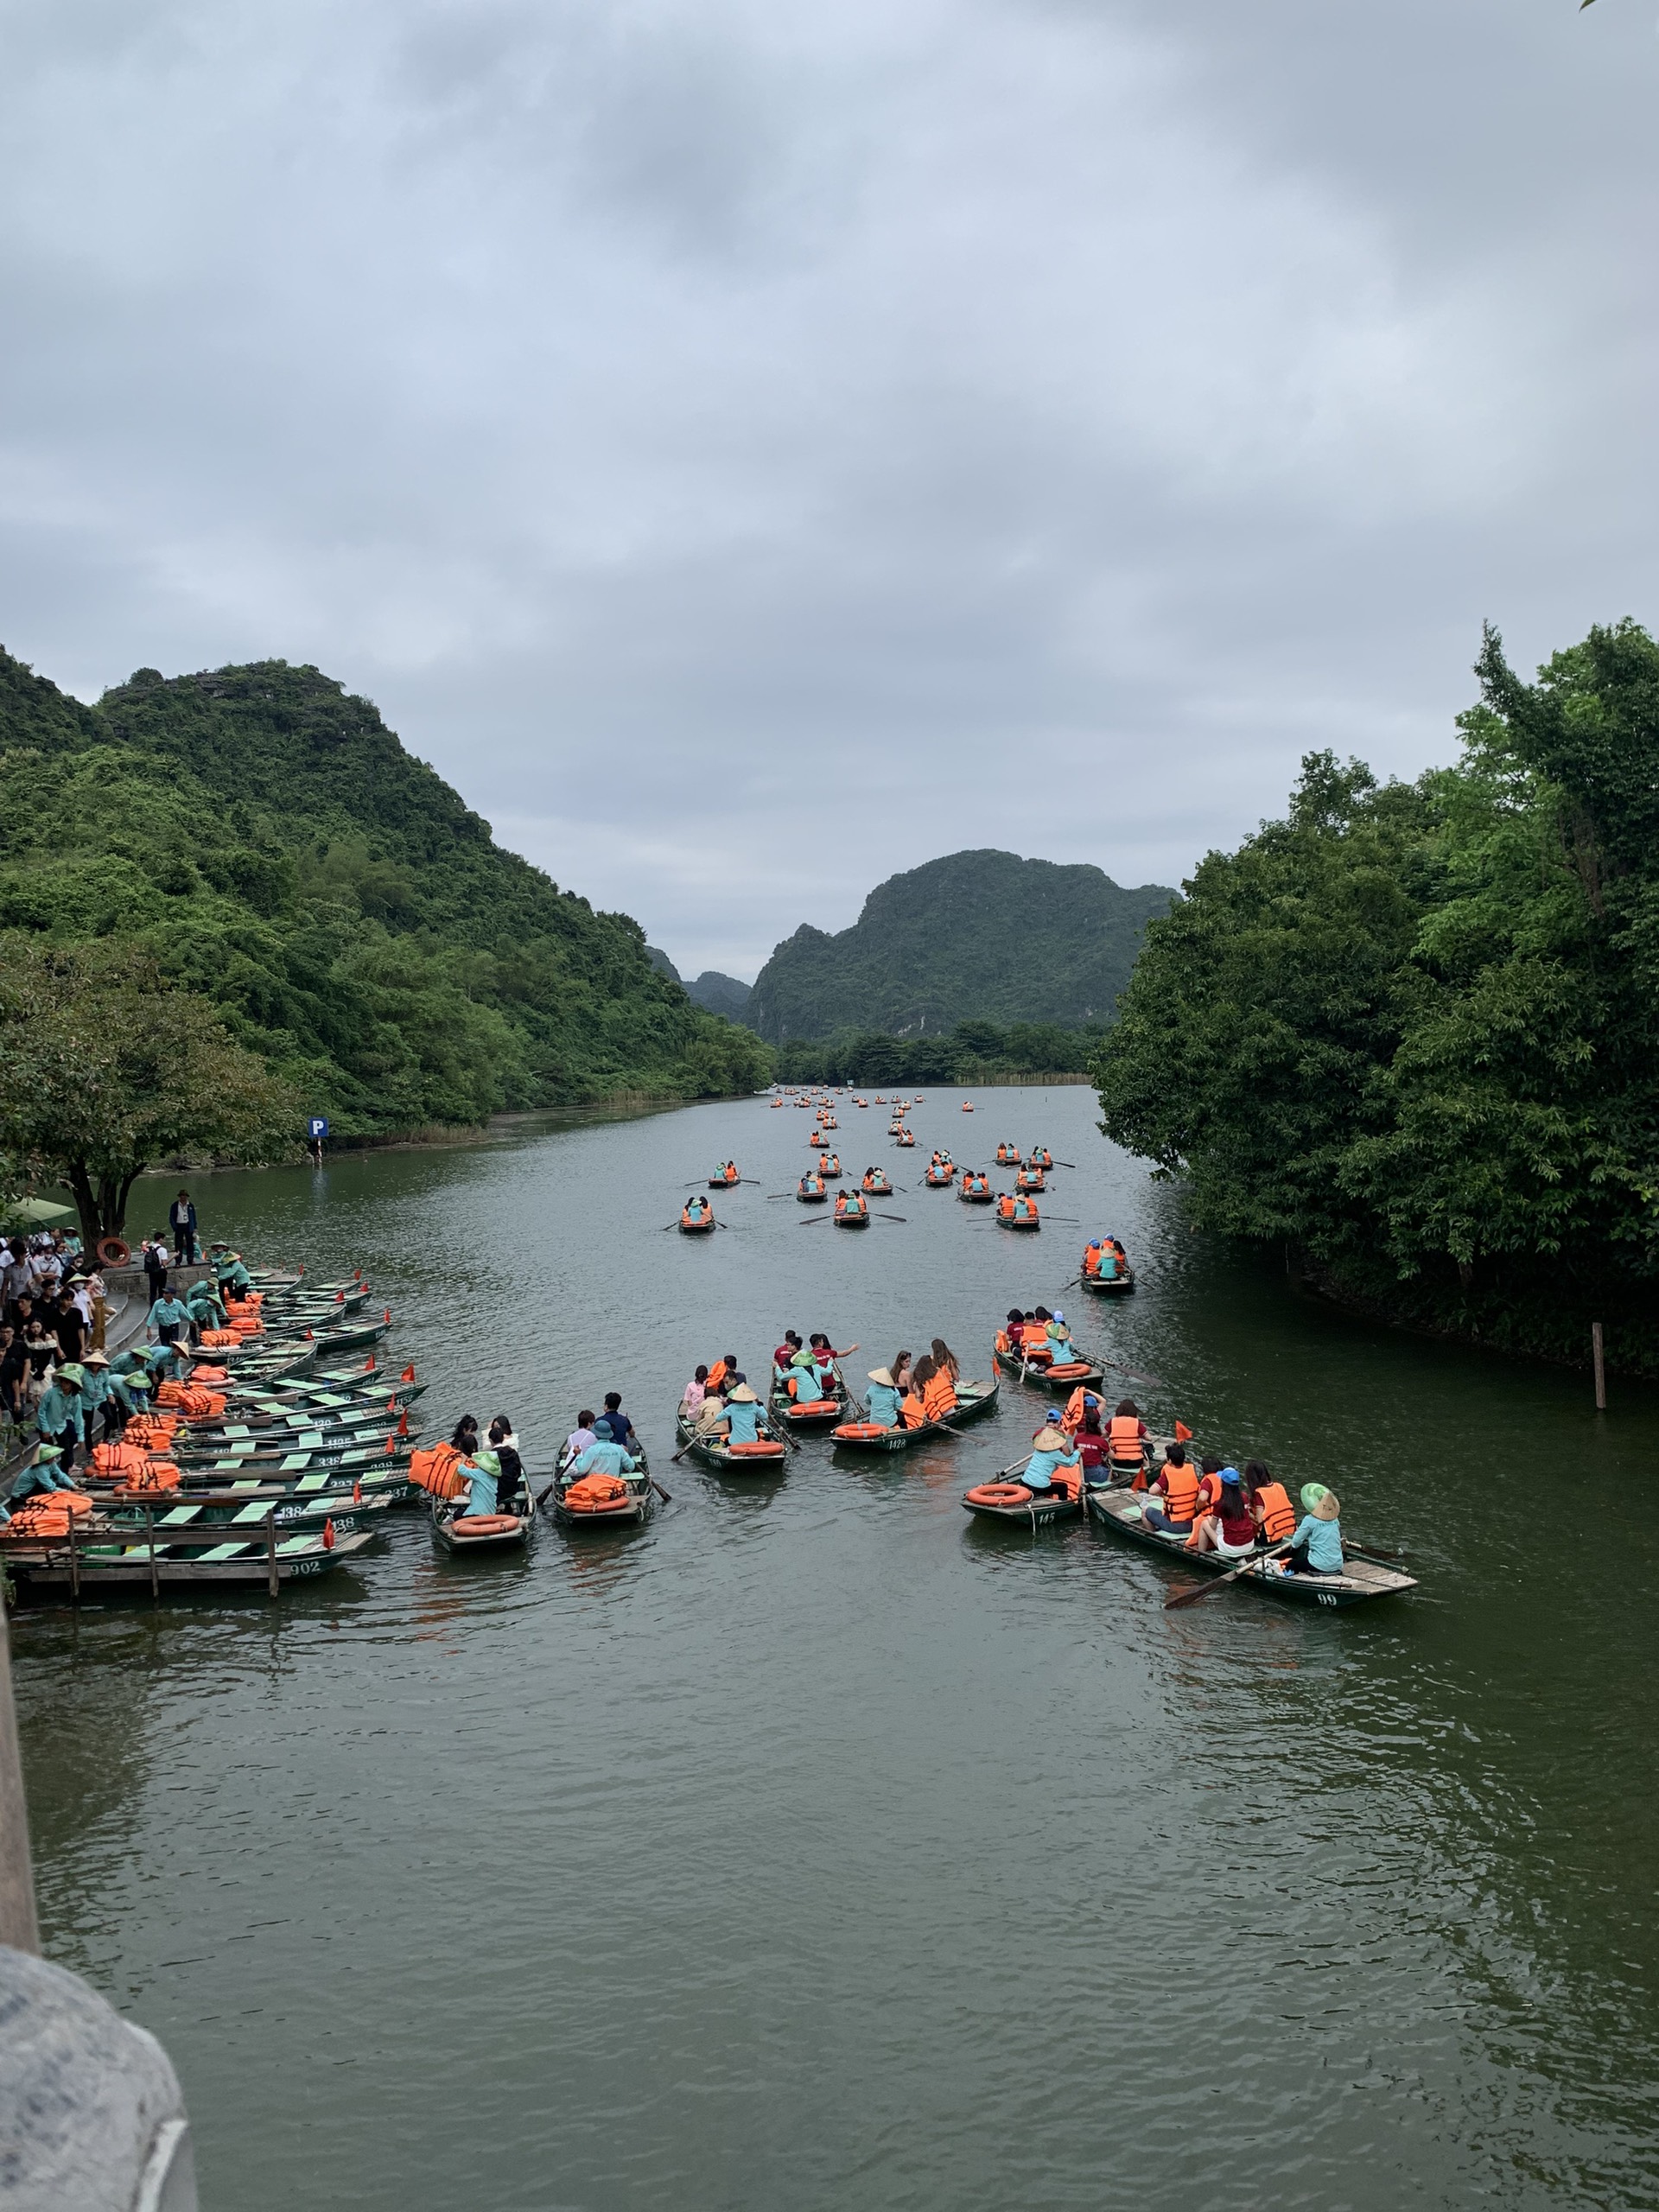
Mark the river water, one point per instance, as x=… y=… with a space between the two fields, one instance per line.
x=815 y=1846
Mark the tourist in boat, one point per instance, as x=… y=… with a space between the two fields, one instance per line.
x=899 y=1369
x=884 y=1400
x=742 y=1419
x=1061 y=1349
x=1022 y=1208
x=504 y=1445
x=732 y=1377
x=1172 y=1496
x=615 y=1423
x=1275 y=1515
x=1315 y=1545
x=938 y=1392
x=1126 y=1438
x=1228 y=1526
x=464 y=1439
x=786 y=1352
x=1050 y=1449
x=946 y=1363
x=695 y=1391
x=914 y=1408
x=481 y=1472
x=1091 y=1443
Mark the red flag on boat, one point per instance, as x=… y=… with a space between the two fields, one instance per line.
x=409 y=1372
x=310 y=1335
x=402 y=1424
x=391 y=1442
x=368 y=1364
x=340 y=1297
x=1183 y=1434
x=357 y=1493
x=388 y=1313
x=328 y=1535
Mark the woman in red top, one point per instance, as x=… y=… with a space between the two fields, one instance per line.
x=1229 y=1528
x=1091 y=1445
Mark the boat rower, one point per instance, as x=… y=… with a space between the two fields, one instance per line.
x=884 y=1399
x=1316 y=1546
x=603 y=1457
x=1050 y=1449
x=742 y=1421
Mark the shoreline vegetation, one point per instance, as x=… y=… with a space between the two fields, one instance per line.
x=1410 y=1033
x=333 y=928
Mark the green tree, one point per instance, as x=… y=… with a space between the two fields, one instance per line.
x=1413 y=1030
x=109 y=1070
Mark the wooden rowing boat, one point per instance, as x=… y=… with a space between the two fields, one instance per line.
x=1013 y=1503
x=457 y=1531
x=714 y=1451
x=628 y=1510
x=813 y=1413
x=142 y=1566
x=1361 y=1579
x=1070 y=1375
x=1117 y=1285
x=973 y=1400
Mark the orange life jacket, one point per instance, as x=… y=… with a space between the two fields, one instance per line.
x=1123 y=1438
x=1181 y=1492
x=1209 y=1492
x=913 y=1409
x=1091 y=1260
x=938 y=1398
x=1071 y=1420
x=1278 y=1513
x=1005 y=1207
x=716 y=1377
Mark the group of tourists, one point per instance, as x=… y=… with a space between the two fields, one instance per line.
x=1219 y=1510
x=493 y=1471
x=1104 y=1259
x=1039 y=1338
x=718 y=1401
x=53 y=1311
x=910 y=1395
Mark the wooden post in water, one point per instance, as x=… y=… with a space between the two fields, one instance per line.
x=275 y=1583
x=75 y=1563
x=1601 y=1371
x=150 y=1538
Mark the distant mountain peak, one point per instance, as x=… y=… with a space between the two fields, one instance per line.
x=952 y=940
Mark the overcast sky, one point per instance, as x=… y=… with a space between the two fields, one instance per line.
x=751 y=446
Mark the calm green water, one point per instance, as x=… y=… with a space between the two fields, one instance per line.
x=815 y=1846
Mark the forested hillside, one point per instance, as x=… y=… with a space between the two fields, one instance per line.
x=267 y=837
x=1412 y=1032
x=977 y=936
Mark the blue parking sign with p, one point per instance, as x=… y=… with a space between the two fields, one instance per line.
x=316 y=1127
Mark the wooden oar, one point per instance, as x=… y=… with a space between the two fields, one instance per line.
x=891 y=1217
x=1220 y=1581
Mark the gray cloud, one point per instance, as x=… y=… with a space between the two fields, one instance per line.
x=750 y=449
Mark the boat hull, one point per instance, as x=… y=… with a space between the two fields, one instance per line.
x=968 y=1408
x=1360 y=1581
x=1111 y=1287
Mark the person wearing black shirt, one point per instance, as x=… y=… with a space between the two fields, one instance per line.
x=69 y=1326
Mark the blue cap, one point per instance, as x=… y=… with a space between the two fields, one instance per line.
x=1054 y=1414
x=1231 y=1475
x=1058 y=1316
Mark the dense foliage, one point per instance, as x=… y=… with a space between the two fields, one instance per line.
x=977 y=936
x=109 y=1070
x=1413 y=1031
x=266 y=838
x=973 y=1052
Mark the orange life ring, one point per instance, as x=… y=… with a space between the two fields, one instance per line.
x=764 y=1448
x=998 y=1494
x=818 y=1406
x=1067 y=1371
x=860 y=1432
x=113 y=1251
x=484 y=1524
